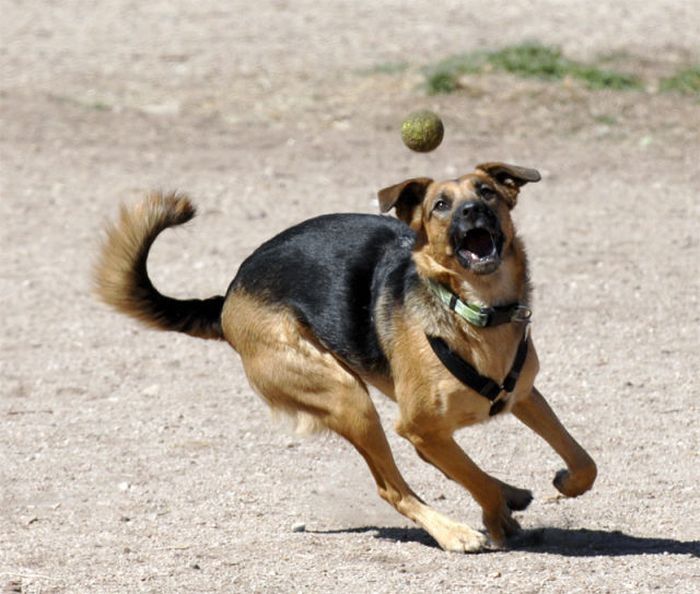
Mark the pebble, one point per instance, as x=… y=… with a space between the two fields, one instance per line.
x=299 y=527
x=151 y=390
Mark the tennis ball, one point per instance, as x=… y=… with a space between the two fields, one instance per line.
x=422 y=131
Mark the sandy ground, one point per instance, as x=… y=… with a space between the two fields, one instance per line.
x=134 y=461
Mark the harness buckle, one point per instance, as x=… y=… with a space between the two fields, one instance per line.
x=499 y=403
x=522 y=314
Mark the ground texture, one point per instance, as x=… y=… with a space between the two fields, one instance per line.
x=134 y=461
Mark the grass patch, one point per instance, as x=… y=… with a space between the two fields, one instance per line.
x=386 y=68
x=686 y=81
x=100 y=106
x=527 y=60
x=605 y=119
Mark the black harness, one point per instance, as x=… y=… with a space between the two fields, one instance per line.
x=482 y=317
x=470 y=377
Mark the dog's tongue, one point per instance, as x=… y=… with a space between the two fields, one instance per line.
x=479 y=242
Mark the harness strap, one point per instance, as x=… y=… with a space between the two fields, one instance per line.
x=470 y=377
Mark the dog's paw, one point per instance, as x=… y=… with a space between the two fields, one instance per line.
x=517 y=499
x=500 y=525
x=573 y=484
x=460 y=538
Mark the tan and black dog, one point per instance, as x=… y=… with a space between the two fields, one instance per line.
x=432 y=309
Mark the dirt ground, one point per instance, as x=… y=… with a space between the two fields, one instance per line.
x=137 y=461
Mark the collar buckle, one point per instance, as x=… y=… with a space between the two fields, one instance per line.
x=478 y=315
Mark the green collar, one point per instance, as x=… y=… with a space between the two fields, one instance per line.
x=478 y=315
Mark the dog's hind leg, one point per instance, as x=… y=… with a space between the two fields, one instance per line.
x=534 y=411
x=339 y=401
x=295 y=374
x=439 y=449
x=360 y=425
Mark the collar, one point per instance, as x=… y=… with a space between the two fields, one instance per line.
x=478 y=315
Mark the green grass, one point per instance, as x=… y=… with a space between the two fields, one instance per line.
x=99 y=106
x=605 y=119
x=386 y=68
x=527 y=60
x=686 y=81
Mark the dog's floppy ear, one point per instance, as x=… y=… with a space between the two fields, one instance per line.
x=510 y=175
x=404 y=197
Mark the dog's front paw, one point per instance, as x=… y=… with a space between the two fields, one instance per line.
x=577 y=482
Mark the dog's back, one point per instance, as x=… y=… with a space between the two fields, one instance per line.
x=330 y=271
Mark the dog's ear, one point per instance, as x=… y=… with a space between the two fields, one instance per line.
x=404 y=197
x=510 y=177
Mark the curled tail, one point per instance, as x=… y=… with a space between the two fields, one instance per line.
x=121 y=278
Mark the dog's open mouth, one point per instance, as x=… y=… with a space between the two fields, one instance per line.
x=477 y=244
x=479 y=250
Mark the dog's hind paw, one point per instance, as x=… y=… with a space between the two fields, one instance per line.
x=500 y=525
x=460 y=538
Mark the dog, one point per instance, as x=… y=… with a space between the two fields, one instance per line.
x=431 y=308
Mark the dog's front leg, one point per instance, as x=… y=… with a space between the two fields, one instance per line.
x=441 y=450
x=581 y=471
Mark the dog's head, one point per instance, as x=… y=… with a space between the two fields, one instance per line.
x=465 y=223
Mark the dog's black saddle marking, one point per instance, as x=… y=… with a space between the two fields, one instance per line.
x=331 y=271
x=470 y=377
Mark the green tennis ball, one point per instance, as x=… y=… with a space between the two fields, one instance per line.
x=422 y=131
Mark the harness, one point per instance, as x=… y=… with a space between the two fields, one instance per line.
x=496 y=393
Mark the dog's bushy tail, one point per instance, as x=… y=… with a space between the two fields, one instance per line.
x=121 y=277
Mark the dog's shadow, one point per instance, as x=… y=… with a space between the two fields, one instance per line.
x=578 y=542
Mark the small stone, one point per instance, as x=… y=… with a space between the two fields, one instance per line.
x=151 y=390
x=168 y=108
x=299 y=527
x=12 y=587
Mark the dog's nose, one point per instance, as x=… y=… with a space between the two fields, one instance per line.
x=470 y=210
x=467 y=208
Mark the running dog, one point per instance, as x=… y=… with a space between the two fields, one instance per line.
x=431 y=308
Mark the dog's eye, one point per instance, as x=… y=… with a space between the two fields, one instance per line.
x=441 y=205
x=486 y=192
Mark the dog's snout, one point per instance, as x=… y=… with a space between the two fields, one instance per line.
x=468 y=208
x=471 y=212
